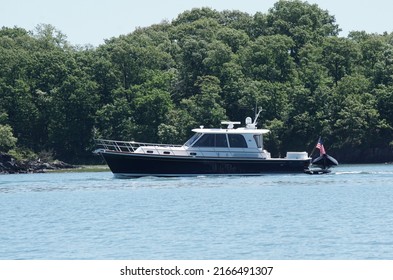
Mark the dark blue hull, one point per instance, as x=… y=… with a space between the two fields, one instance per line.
x=137 y=165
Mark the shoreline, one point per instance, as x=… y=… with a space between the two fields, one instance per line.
x=74 y=169
x=81 y=169
x=10 y=165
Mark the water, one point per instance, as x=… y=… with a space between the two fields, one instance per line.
x=344 y=215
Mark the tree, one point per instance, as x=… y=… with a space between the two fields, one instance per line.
x=312 y=73
x=70 y=127
x=377 y=58
x=189 y=17
x=357 y=122
x=22 y=112
x=150 y=111
x=7 y=139
x=193 y=53
x=384 y=100
x=233 y=38
x=268 y=59
x=271 y=97
x=133 y=55
x=339 y=56
x=301 y=21
x=217 y=55
x=115 y=121
x=233 y=89
x=206 y=107
x=237 y=20
x=50 y=37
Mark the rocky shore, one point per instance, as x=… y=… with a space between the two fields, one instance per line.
x=9 y=165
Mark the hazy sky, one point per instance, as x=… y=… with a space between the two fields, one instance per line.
x=92 y=21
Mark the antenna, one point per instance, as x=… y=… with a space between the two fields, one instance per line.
x=230 y=124
x=257 y=115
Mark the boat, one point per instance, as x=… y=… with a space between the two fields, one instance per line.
x=325 y=161
x=322 y=163
x=210 y=151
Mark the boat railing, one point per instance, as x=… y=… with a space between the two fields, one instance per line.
x=166 y=149
x=132 y=146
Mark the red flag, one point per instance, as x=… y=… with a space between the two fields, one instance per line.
x=321 y=147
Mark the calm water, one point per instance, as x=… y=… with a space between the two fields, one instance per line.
x=344 y=215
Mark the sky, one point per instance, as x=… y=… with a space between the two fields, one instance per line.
x=90 y=22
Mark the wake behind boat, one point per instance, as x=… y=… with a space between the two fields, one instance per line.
x=210 y=151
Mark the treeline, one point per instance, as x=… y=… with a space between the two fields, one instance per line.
x=205 y=66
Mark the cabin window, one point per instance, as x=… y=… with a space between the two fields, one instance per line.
x=192 y=139
x=258 y=140
x=206 y=140
x=221 y=141
x=212 y=140
x=237 y=141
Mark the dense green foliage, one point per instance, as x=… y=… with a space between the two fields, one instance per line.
x=157 y=83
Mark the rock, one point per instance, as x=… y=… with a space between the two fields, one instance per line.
x=8 y=165
x=61 y=165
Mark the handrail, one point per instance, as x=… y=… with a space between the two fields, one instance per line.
x=132 y=146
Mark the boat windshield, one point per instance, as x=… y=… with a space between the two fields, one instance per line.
x=192 y=139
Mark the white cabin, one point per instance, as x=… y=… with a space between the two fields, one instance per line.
x=243 y=142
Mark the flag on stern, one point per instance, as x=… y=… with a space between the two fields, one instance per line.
x=320 y=147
